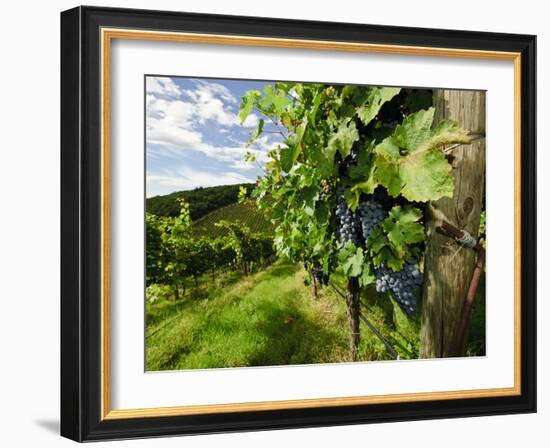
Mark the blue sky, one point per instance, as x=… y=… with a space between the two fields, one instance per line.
x=193 y=135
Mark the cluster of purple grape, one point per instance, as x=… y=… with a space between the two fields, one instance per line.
x=349 y=225
x=320 y=275
x=402 y=284
x=371 y=214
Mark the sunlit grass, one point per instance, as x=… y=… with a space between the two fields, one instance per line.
x=269 y=318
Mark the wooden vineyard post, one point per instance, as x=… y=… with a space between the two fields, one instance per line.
x=353 y=311
x=314 y=287
x=449 y=266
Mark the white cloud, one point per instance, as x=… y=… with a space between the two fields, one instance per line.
x=251 y=121
x=213 y=101
x=214 y=110
x=169 y=107
x=162 y=86
x=172 y=123
x=176 y=125
x=170 y=112
x=207 y=90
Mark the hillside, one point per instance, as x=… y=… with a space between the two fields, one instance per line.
x=202 y=200
x=247 y=213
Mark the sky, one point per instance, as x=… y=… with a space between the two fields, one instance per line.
x=194 y=137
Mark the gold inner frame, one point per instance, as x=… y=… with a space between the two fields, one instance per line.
x=107 y=35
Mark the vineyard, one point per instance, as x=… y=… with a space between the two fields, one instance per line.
x=246 y=213
x=350 y=246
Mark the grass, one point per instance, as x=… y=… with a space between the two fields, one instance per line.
x=268 y=318
x=271 y=318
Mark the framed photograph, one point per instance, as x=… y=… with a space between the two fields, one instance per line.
x=276 y=224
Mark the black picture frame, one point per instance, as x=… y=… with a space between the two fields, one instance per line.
x=81 y=224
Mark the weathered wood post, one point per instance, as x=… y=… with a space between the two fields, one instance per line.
x=353 y=312
x=448 y=266
x=314 y=287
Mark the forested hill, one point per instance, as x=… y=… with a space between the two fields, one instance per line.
x=202 y=200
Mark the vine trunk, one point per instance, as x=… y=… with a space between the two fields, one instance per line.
x=352 y=302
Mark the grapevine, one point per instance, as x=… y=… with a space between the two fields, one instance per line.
x=345 y=190
x=174 y=253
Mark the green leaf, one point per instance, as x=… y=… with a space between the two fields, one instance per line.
x=377 y=240
x=344 y=138
x=366 y=187
x=367 y=276
x=388 y=174
x=288 y=156
x=256 y=133
x=363 y=169
x=388 y=149
x=321 y=154
x=403 y=228
x=307 y=196
x=322 y=213
x=423 y=173
x=247 y=104
x=276 y=98
x=427 y=177
x=290 y=153
x=415 y=130
x=445 y=133
x=352 y=261
x=363 y=172
x=315 y=107
x=260 y=127
x=376 y=98
x=390 y=260
x=352 y=199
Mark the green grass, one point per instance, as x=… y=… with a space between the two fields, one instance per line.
x=268 y=318
x=476 y=338
x=247 y=213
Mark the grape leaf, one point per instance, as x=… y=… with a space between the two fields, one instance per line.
x=288 y=156
x=402 y=227
x=306 y=198
x=388 y=149
x=344 y=138
x=376 y=98
x=391 y=243
x=415 y=130
x=321 y=154
x=388 y=258
x=352 y=199
x=247 y=104
x=427 y=176
x=256 y=133
x=351 y=260
x=367 y=276
x=422 y=173
x=277 y=98
x=447 y=131
x=362 y=170
x=377 y=240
